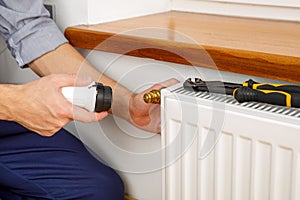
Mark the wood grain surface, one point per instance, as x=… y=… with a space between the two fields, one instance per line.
x=264 y=48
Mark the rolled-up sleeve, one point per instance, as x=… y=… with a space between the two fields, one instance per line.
x=28 y=29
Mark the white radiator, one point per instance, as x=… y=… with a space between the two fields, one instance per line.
x=218 y=149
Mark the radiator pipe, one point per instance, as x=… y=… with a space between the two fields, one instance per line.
x=152 y=97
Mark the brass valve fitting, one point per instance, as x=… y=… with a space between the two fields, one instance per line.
x=152 y=97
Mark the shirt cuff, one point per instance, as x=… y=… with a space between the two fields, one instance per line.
x=34 y=40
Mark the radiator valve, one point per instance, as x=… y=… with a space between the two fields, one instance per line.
x=152 y=97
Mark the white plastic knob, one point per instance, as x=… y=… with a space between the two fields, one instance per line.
x=84 y=97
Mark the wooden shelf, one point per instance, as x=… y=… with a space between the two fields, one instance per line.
x=264 y=48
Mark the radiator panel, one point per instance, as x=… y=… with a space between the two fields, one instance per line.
x=256 y=153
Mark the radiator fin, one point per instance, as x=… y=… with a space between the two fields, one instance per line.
x=252 y=158
x=294 y=112
x=223 y=170
x=261 y=161
x=283 y=164
x=296 y=177
x=242 y=168
x=237 y=168
x=205 y=167
x=189 y=162
x=173 y=172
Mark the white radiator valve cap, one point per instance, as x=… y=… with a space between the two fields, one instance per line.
x=94 y=98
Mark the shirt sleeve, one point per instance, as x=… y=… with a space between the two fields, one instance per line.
x=28 y=29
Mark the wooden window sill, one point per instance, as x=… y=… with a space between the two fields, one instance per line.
x=264 y=48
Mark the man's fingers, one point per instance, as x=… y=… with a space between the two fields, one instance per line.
x=83 y=115
x=169 y=82
x=163 y=84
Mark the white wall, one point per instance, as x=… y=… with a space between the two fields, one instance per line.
x=69 y=13
x=103 y=11
x=134 y=153
x=76 y=12
x=9 y=70
x=266 y=9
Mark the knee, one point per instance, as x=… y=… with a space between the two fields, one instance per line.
x=107 y=185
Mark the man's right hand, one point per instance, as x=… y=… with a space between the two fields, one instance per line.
x=40 y=106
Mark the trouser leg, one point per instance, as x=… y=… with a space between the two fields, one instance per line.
x=57 y=167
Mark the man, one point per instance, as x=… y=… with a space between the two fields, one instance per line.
x=32 y=164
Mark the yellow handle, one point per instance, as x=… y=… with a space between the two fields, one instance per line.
x=257 y=85
x=288 y=96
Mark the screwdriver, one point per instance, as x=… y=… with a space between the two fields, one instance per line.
x=275 y=97
x=271 y=86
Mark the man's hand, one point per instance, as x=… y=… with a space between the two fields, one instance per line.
x=40 y=106
x=128 y=106
x=147 y=116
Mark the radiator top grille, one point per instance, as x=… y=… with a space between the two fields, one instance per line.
x=293 y=112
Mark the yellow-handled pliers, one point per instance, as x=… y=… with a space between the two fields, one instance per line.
x=277 y=94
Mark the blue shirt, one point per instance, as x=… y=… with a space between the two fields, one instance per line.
x=28 y=29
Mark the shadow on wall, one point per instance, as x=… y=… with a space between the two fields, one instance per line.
x=10 y=72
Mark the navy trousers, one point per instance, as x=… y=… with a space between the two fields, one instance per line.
x=58 y=167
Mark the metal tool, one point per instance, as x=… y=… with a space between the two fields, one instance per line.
x=276 y=97
x=198 y=84
x=277 y=94
x=94 y=98
x=271 y=86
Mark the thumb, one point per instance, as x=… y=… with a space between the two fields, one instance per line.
x=64 y=80
x=83 y=81
x=163 y=84
x=169 y=82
